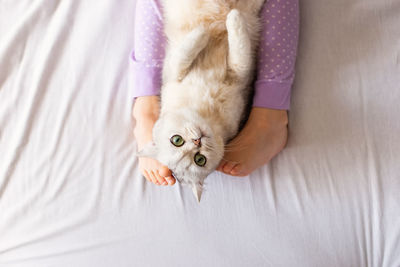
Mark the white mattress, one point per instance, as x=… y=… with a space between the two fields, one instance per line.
x=70 y=190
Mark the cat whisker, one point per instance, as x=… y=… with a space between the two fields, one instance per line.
x=232 y=143
x=236 y=162
x=236 y=148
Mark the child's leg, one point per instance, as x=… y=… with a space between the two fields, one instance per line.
x=265 y=133
x=147 y=59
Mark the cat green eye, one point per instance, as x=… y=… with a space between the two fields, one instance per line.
x=177 y=140
x=200 y=160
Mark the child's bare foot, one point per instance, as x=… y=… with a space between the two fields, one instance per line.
x=264 y=136
x=145 y=112
x=155 y=172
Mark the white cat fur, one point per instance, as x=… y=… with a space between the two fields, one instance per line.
x=206 y=82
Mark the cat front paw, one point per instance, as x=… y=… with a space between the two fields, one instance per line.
x=234 y=20
x=199 y=37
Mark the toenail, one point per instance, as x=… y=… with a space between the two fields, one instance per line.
x=234 y=171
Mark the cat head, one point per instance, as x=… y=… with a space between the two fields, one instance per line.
x=183 y=141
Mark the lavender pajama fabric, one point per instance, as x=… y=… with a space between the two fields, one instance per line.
x=276 y=53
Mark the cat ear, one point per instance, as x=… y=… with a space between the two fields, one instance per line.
x=197 y=190
x=149 y=151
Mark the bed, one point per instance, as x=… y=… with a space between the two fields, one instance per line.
x=70 y=190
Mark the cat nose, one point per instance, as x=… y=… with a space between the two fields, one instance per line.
x=197 y=142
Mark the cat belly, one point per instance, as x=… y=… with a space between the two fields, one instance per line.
x=222 y=107
x=182 y=16
x=207 y=84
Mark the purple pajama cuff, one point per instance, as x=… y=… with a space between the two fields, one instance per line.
x=147 y=80
x=272 y=94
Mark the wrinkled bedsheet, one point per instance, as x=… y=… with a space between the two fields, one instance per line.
x=70 y=190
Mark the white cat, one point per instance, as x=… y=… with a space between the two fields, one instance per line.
x=207 y=73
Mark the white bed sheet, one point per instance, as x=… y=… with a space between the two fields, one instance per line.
x=70 y=190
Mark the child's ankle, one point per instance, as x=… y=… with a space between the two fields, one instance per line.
x=146 y=108
x=143 y=131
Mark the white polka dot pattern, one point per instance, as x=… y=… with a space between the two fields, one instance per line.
x=149 y=34
x=278 y=44
x=276 y=55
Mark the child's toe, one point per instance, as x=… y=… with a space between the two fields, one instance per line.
x=171 y=180
x=239 y=170
x=221 y=166
x=164 y=171
x=228 y=167
x=159 y=178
